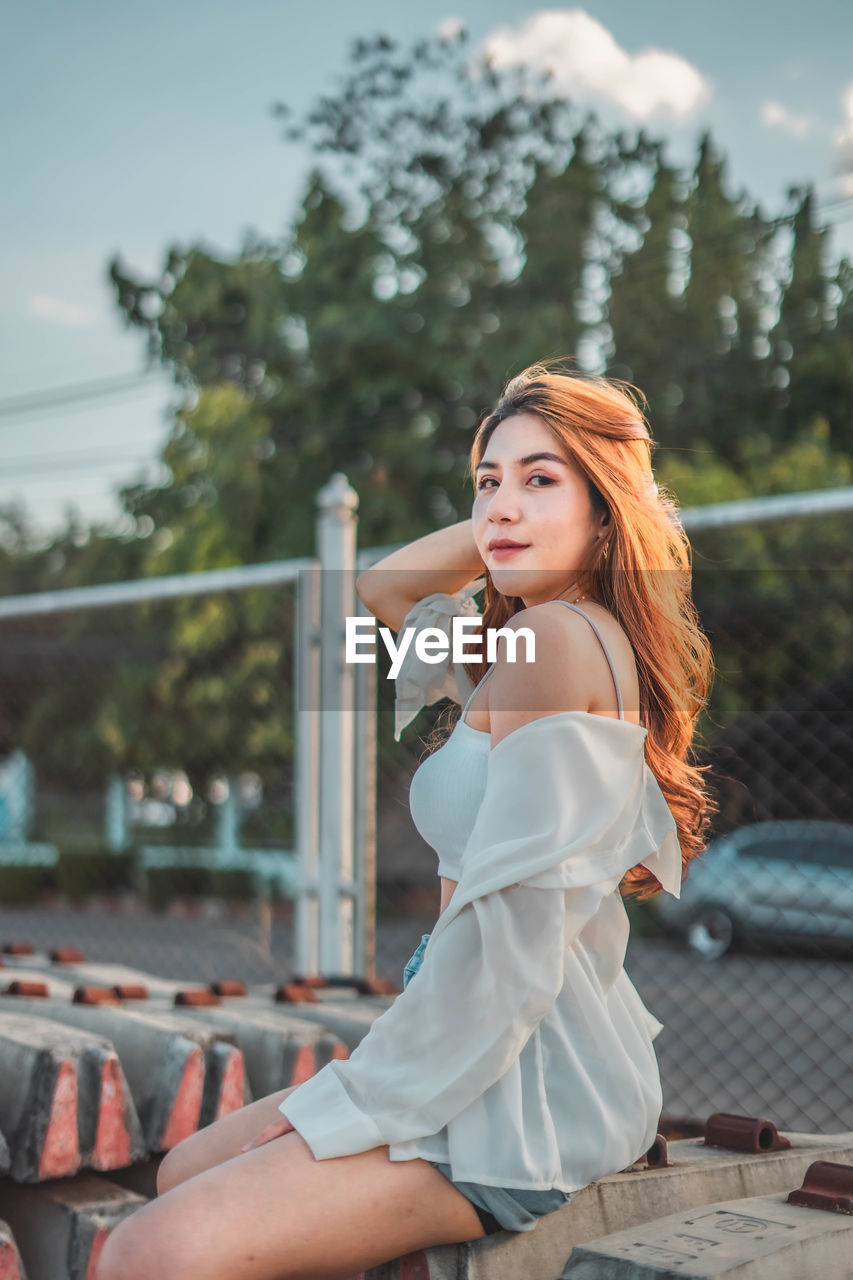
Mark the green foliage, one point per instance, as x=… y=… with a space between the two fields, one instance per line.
x=19 y=884
x=164 y=884
x=496 y=226
x=83 y=873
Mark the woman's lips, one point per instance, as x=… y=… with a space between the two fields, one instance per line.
x=501 y=553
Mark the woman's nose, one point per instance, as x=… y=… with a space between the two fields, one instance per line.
x=504 y=503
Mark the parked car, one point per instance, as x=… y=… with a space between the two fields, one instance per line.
x=784 y=879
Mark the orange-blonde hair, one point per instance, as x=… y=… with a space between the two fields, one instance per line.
x=644 y=581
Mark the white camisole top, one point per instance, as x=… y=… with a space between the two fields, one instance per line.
x=447 y=788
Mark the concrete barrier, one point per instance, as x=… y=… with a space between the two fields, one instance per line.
x=759 y=1238
x=60 y=1227
x=279 y=1049
x=164 y=1068
x=698 y=1175
x=11 y=1266
x=57 y=984
x=64 y=1100
x=275 y=1044
x=226 y=1087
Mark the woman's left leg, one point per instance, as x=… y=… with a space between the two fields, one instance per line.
x=276 y=1213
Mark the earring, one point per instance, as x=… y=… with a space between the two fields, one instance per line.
x=605 y=551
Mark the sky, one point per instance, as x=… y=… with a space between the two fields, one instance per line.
x=127 y=129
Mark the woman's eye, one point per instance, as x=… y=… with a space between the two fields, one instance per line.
x=537 y=476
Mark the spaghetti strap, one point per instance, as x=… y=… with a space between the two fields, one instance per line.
x=569 y=605
x=477 y=686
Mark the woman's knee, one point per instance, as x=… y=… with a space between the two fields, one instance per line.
x=173 y=1169
x=125 y=1255
x=219 y=1141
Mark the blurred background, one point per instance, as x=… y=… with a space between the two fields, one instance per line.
x=248 y=247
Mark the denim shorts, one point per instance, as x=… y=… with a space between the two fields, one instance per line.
x=498 y=1208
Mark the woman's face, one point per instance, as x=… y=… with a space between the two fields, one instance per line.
x=542 y=503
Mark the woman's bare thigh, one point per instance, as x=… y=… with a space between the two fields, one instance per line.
x=218 y=1141
x=276 y=1213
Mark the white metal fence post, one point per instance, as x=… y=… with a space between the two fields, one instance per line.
x=306 y=770
x=336 y=530
x=365 y=779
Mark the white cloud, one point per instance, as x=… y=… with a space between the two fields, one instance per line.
x=449 y=28
x=585 y=59
x=843 y=137
x=775 y=115
x=47 y=307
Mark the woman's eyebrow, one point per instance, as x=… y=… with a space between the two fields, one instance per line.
x=523 y=462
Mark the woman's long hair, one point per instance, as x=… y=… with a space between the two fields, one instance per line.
x=644 y=580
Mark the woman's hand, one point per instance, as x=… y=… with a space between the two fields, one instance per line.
x=274 y=1130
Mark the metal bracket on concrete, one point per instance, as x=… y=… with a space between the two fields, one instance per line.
x=743 y=1133
x=827 y=1185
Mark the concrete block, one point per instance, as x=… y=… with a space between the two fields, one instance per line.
x=698 y=1176
x=759 y=1238
x=61 y=1226
x=64 y=1100
x=349 y=1021
x=11 y=1266
x=58 y=984
x=279 y=1050
x=226 y=1087
x=164 y=1068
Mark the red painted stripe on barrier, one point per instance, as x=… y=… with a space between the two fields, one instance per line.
x=232 y=1085
x=340 y=1050
x=186 y=1108
x=131 y=991
x=112 y=1139
x=98 y=1241
x=414 y=1266
x=19 y=949
x=10 y=1262
x=305 y=1064
x=60 y=1154
x=23 y=987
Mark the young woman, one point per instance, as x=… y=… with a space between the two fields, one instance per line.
x=517 y=1064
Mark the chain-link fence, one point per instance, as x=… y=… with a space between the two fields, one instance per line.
x=152 y=746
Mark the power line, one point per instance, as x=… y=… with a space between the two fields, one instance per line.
x=72 y=462
x=60 y=396
x=70 y=393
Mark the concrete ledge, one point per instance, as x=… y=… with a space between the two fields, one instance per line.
x=699 y=1176
x=758 y=1238
x=60 y=1227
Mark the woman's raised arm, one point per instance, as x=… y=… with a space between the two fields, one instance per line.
x=445 y=560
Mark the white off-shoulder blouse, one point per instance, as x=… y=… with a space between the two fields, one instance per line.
x=520 y=1053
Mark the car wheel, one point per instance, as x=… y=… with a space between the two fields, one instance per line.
x=710 y=932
